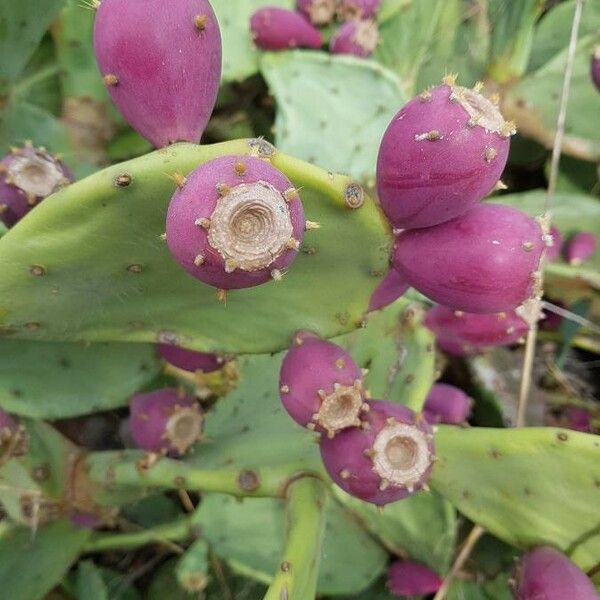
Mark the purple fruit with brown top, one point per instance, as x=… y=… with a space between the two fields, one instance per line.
x=320 y=385
x=386 y=459
x=580 y=247
x=318 y=12
x=595 y=67
x=441 y=154
x=161 y=63
x=407 y=578
x=236 y=222
x=190 y=360
x=547 y=574
x=356 y=37
x=447 y=404
x=357 y=9
x=165 y=421
x=281 y=29
x=485 y=261
x=27 y=176
x=390 y=289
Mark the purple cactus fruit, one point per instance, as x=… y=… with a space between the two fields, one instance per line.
x=447 y=404
x=441 y=154
x=595 y=67
x=386 y=459
x=472 y=331
x=356 y=37
x=236 y=222
x=318 y=12
x=280 y=29
x=165 y=421
x=85 y=519
x=357 y=9
x=8 y=428
x=320 y=385
x=484 y=261
x=161 y=63
x=407 y=578
x=553 y=244
x=455 y=347
x=580 y=248
x=578 y=419
x=390 y=289
x=547 y=574
x=190 y=360
x=27 y=176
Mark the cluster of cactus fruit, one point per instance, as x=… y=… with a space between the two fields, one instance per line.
x=237 y=222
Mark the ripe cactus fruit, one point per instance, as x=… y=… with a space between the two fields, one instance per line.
x=407 y=578
x=447 y=404
x=190 y=360
x=595 y=67
x=578 y=419
x=546 y=574
x=236 y=222
x=165 y=421
x=320 y=385
x=580 y=247
x=441 y=154
x=280 y=29
x=386 y=459
x=161 y=63
x=390 y=289
x=318 y=12
x=356 y=37
x=27 y=176
x=484 y=261
x=362 y=9
x=553 y=250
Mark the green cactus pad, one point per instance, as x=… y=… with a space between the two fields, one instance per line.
x=527 y=486
x=88 y=263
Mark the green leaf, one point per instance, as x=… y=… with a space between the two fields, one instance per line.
x=356 y=100
x=528 y=486
x=47 y=380
x=497 y=589
x=109 y=277
x=90 y=584
x=32 y=563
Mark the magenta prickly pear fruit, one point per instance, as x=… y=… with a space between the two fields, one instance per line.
x=473 y=331
x=578 y=419
x=161 y=63
x=441 y=154
x=318 y=12
x=484 y=261
x=447 y=404
x=280 y=29
x=190 y=360
x=554 y=244
x=361 y=9
x=595 y=67
x=236 y=222
x=386 y=459
x=407 y=578
x=547 y=574
x=580 y=248
x=390 y=289
x=165 y=421
x=320 y=385
x=85 y=519
x=356 y=37
x=27 y=176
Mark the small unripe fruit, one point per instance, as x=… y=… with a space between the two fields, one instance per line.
x=357 y=37
x=447 y=404
x=165 y=421
x=190 y=360
x=441 y=154
x=595 y=67
x=280 y=29
x=485 y=261
x=580 y=248
x=27 y=176
x=547 y=574
x=318 y=12
x=320 y=385
x=161 y=64
x=236 y=222
x=361 y=9
x=553 y=244
x=386 y=459
x=407 y=578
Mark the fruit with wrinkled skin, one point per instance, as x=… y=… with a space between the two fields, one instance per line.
x=484 y=261
x=280 y=29
x=387 y=459
x=546 y=574
x=190 y=360
x=27 y=176
x=165 y=421
x=363 y=9
x=440 y=155
x=161 y=63
x=553 y=251
x=595 y=67
x=412 y=578
x=320 y=386
x=318 y=12
x=580 y=247
x=356 y=37
x=390 y=289
x=447 y=404
x=236 y=222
